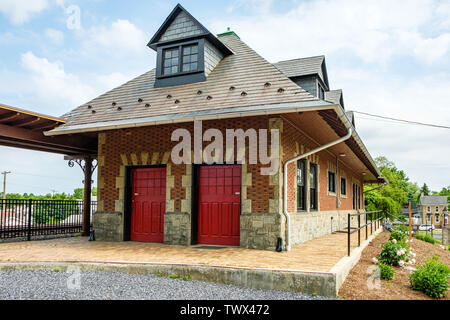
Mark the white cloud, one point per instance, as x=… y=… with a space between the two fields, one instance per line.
x=20 y=11
x=120 y=38
x=378 y=33
x=52 y=83
x=423 y=152
x=373 y=30
x=55 y=36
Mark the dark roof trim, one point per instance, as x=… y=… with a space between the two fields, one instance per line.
x=154 y=42
x=325 y=73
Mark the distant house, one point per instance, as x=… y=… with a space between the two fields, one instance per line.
x=432 y=209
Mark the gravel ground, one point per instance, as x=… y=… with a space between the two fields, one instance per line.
x=94 y=285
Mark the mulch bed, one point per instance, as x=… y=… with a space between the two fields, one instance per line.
x=355 y=286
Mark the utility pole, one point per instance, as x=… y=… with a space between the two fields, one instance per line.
x=410 y=221
x=4 y=173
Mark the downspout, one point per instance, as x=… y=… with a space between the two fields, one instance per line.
x=286 y=164
x=338 y=184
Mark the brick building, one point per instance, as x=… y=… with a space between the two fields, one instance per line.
x=144 y=195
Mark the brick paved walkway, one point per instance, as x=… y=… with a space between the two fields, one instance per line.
x=317 y=255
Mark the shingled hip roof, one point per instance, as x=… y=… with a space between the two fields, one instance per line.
x=433 y=200
x=242 y=84
x=243 y=79
x=304 y=67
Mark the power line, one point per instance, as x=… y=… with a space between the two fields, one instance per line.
x=402 y=120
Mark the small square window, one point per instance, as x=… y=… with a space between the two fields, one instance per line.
x=170 y=61
x=180 y=59
x=190 y=58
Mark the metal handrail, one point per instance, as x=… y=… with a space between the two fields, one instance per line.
x=377 y=223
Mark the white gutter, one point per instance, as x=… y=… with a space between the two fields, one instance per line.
x=190 y=117
x=302 y=156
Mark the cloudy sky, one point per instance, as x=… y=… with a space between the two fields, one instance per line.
x=391 y=58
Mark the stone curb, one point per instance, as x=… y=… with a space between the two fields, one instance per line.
x=346 y=264
x=317 y=283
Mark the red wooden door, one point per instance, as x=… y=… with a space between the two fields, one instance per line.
x=219 y=205
x=148 y=205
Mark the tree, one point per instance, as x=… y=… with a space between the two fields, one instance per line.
x=445 y=192
x=392 y=197
x=425 y=190
x=78 y=193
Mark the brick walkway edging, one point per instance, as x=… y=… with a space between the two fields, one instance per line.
x=324 y=284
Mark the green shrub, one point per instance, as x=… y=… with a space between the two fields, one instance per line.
x=427 y=238
x=432 y=278
x=403 y=228
x=386 y=272
x=392 y=253
x=398 y=235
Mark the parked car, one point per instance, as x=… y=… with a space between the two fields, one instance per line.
x=426 y=227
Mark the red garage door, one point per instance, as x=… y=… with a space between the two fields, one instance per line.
x=149 y=205
x=219 y=205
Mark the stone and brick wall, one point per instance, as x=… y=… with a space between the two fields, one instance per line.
x=119 y=149
x=262 y=220
x=309 y=224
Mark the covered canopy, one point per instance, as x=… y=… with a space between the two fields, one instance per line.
x=25 y=129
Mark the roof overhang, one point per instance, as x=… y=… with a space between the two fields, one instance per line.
x=25 y=129
x=238 y=112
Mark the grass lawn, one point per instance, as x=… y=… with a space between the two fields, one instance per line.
x=356 y=287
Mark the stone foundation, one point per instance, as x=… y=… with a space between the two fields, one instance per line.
x=260 y=231
x=306 y=226
x=177 y=228
x=108 y=226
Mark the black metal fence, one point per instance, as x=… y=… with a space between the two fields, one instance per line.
x=28 y=219
x=371 y=218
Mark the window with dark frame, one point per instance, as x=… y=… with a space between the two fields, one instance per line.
x=331 y=181
x=359 y=197
x=190 y=58
x=180 y=59
x=301 y=185
x=354 y=197
x=321 y=92
x=313 y=186
x=343 y=186
x=171 y=61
